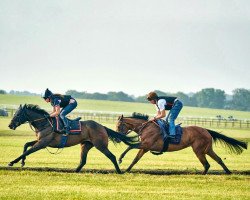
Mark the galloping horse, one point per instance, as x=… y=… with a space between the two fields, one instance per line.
x=200 y=139
x=92 y=134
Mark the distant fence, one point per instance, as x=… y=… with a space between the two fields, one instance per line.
x=215 y=123
x=103 y=117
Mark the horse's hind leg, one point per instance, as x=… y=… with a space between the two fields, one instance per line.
x=85 y=147
x=200 y=149
x=204 y=162
x=214 y=156
x=28 y=144
x=112 y=157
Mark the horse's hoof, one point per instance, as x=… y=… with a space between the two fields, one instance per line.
x=77 y=170
x=10 y=164
x=120 y=162
x=22 y=165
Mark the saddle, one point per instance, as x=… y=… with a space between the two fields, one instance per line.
x=164 y=129
x=165 y=132
x=74 y=125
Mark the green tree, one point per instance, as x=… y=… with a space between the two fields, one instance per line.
x=241 y=99
x=119 y=96
x=99 y=96
x=3 y=92
x=210 y=98
x=142 y=99
x=186 y=100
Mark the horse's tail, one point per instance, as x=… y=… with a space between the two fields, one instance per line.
x=117 y=137
x=235 y=146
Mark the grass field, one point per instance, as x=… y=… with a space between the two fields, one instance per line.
x=174 y=175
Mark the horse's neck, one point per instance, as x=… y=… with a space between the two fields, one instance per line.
x=136 y=123
x=37 y=119
x=32 y=115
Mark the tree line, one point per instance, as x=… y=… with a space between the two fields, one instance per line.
x=206 y=98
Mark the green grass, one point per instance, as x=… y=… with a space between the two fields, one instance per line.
x=53 y=185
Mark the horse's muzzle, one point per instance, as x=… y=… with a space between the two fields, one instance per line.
x=11 y=126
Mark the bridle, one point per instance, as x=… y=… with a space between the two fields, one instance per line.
x=140 y=127
x=24 y=116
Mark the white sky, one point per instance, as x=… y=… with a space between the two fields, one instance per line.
x=133 y=46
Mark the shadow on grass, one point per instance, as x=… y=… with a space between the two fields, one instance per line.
x=135 y=171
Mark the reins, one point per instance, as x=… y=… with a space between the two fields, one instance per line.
x=142 y=126
x=55 y=153
x=39 y=119
x=145 y=124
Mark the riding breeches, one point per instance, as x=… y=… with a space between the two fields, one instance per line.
x=66 y=111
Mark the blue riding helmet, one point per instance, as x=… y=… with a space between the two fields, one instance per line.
x=47 y=94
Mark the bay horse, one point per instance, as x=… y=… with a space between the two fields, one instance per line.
x=200 y=139
x=92 y=134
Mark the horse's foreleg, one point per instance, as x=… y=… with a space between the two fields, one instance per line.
x=124 y=153
x=37 y=146
x=84 y=152
x=28 y=144
x=137 y=158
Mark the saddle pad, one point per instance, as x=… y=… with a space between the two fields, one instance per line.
x=165 y=131
x=74 y=125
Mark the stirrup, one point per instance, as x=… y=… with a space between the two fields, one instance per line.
x=66 y=130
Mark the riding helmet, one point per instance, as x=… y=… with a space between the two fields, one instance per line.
x=47 y=94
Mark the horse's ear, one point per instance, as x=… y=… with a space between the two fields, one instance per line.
x=120 y=118
x=20 y=107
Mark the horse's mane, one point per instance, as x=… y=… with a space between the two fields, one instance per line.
x=36 y=108
x=140 y=116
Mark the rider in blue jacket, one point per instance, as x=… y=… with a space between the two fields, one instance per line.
x=58 y=101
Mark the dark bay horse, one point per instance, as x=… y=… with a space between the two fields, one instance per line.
x=200 y=139
x=93 y=134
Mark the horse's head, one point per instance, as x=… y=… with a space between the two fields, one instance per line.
x=121 y=125
x=126 y=124
x=18 y=118
x=28 y=113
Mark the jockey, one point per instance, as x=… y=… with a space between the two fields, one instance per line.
x=164 y=103
x=66 y=102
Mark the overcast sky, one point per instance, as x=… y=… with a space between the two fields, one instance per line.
x=133 y=46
